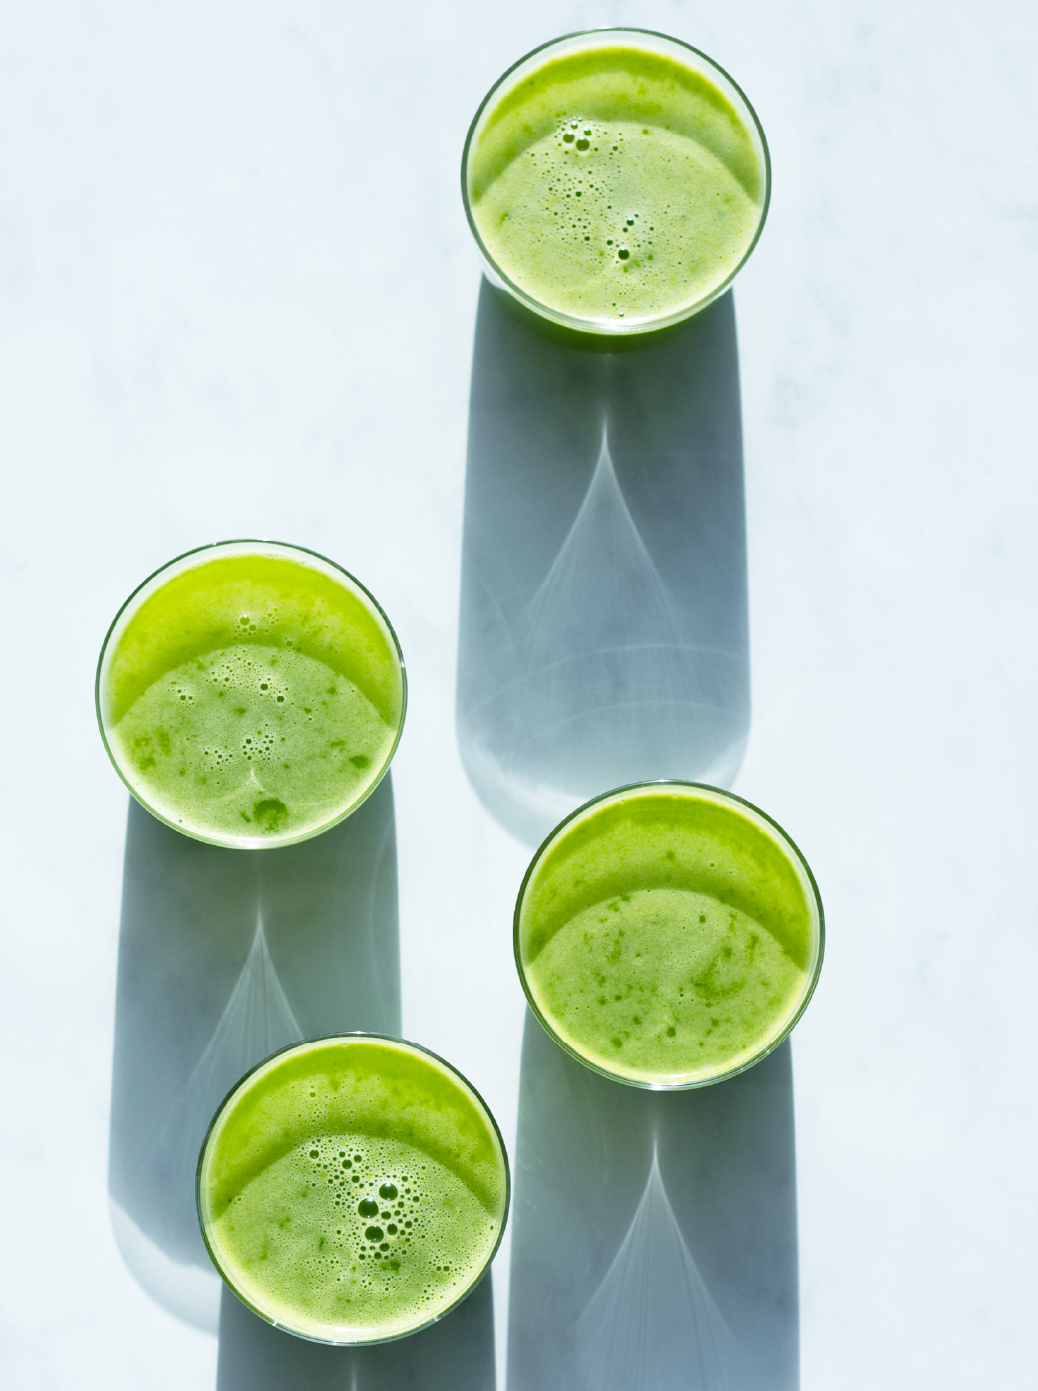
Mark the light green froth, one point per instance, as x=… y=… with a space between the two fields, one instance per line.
x=297 y=1200
x=667 y=936
x=664 y=982
x=615 y=185
x=253 y=697
x=298 y=1248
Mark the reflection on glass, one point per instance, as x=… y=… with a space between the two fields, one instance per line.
x=603 y=618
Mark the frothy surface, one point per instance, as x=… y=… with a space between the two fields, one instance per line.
x=353 y=1191
x=252 y=698
x=616 y=185
x=667 y=937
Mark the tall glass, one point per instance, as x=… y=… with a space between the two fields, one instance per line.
x=668 y=935
x=667 y=158
x=251 y=693
x=352 y=1189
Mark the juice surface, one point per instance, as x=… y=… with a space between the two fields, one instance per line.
x=667 y=937
x=353 y=1191
x=252 y=699
x=616 y=185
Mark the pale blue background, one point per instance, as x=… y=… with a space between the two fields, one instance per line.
x=237 y=297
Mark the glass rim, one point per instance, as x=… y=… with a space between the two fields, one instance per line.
x=356 y=1035
x=593 y=327
x=222 y=841
x=657 y=1085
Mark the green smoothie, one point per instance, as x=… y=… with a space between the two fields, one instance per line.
x=617 y=186
x=352 y=1189
x=669 y=935
x=252 y=698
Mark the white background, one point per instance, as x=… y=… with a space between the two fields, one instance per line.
x=237 y=297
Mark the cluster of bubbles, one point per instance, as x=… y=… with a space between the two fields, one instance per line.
x=580 y=196
x=383 y=1221
x=259 y=745
x=237 y=726
x=238 y=671
x=388 y=1210
x=213 y=756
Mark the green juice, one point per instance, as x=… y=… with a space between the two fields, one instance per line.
x=617 y=187
x=352 y=1190
x=252 y=698
x=669 y=935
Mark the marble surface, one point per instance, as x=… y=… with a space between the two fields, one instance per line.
x=238 y=297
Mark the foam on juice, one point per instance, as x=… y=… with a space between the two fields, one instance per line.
x=252 y=697
x=353 y=1191
x=667 y=937
x=616 y=184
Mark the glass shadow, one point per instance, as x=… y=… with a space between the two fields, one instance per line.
x=225 y=956
x=456 y=1354
x=654 y=1242
x=603 y=633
